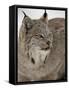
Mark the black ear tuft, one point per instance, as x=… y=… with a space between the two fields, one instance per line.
x=45 y=14
x=24 y=14
x=44 y=18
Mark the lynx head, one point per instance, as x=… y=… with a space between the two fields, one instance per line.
x=37 y=38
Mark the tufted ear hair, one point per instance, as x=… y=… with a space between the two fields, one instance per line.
x=44 y=18
x=27 y=21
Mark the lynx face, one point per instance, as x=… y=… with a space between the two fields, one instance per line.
x=37 y=38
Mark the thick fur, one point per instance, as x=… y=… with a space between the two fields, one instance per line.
x=41 y=50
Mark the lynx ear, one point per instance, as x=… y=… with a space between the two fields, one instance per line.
x=28 y=22
x=44 y=18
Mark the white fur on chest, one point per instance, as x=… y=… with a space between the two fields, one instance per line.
x=38 y=55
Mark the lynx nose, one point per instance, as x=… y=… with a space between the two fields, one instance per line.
x=46 y=46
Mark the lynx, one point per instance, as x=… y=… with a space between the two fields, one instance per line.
x=41 y=49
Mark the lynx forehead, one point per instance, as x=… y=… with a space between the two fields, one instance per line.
x=37 y=39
